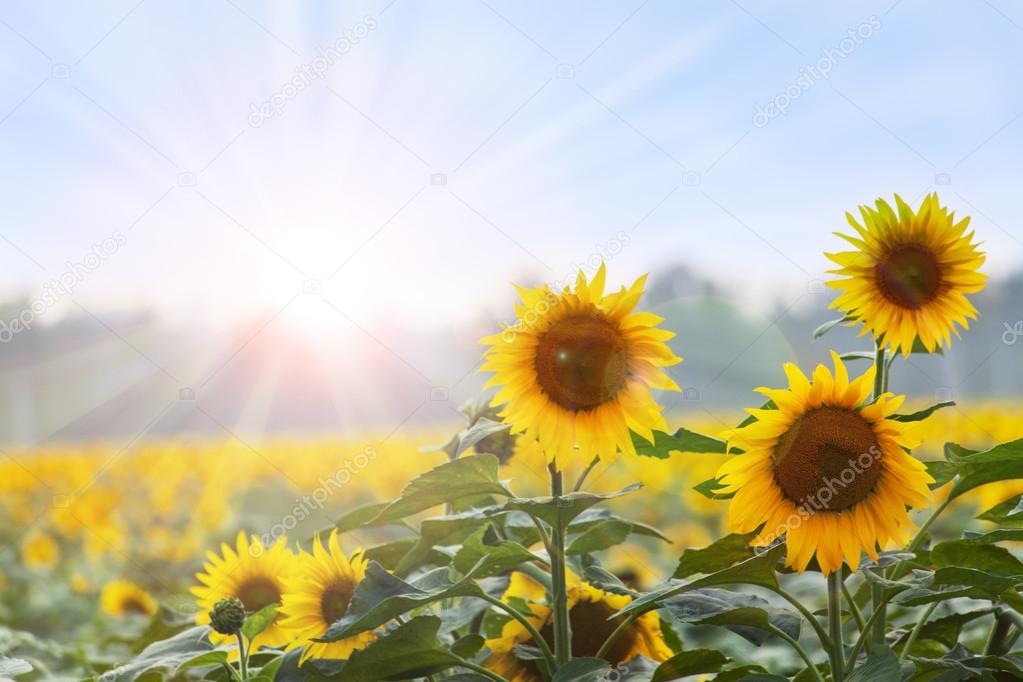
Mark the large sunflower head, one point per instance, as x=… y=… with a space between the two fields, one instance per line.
x=589 y=609
x=909 y=275
x=825 y=471
x=577 y=369
x=123 y=598
x=251 y=572
x=318 y=596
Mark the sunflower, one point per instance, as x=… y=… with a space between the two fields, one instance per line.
x=123 y=597
x=576 y=369
x=252 y=573
x=909 y=275
x=40 y=551
x=589 y=609
x=318 y=596
x=824 y=470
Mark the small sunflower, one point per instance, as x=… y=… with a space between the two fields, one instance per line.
x=824 y=470
x=318 y=596
x=123 y=597
x=589 y=609
x=39 y=551
x=252 y=573
x=577 y=369
x=909 y=275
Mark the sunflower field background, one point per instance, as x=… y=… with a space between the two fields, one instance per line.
x=511 y=341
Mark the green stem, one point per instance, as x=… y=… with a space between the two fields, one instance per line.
x=867 y=629
x=559 y=595
x=900 y=569
x=799 y=650
x=877 y=592
x=835 y=625
x=999 y=631
x=243 y=657
x=586 y=472
x=538 y=639
x=481 y=670
x=618 y=631
x=822 y=634
x=911 y=640
x=853 y=608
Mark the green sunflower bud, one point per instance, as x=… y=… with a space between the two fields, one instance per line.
x=228 y=616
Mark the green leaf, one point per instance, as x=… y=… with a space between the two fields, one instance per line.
x=381 y=597
x=584 y=670
x=977 y=554
x=720 y=554
x=920 y=415
x=484 y=554
x=748 y=616
x=829 y=325
x=12 y=667
x=215 y=657
x=468 y=476
x=682 y=440
x=882 y=665
x=360 y=517
x=593 y=516
x=600 y=536
x=919 y=348
x=1000 y=463
x=165 y=654
x=946 y=631
x=467 y=646
x=259 y=621
x=692 y=662
x=391 y=553
x=747 y=673
x=857 y=355
x=942 y=472
x=757 y=570
x=480 y=429
x=709 y=489
x=411 y=650
x=562 y=510
x=1006 y=513
x=443 y=530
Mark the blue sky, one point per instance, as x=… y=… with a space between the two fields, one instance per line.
x=458 y=145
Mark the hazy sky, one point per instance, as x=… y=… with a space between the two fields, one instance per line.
x=437 y=150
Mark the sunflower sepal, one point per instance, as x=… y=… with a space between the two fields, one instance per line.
x=682 y=440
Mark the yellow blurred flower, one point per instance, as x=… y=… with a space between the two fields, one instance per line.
x=123 y=597
x=39 y=551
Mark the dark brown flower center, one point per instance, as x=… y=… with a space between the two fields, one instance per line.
x=581 y=362
x=909 y=276
x=590 y=629
x=258 y=592
x=335 y=599
x=828 y=460
x=134 y=605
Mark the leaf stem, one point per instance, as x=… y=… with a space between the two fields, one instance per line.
x=538 y=639
x=243 y=657
x=853 y=608
x=867 y=630
x=481 y=670
x=822 y=634
x=836 y=652
x=618 y=631
x=915 y=632
x=586 y=472
x=799 y=650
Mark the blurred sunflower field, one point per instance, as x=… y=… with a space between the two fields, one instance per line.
x=566 y=528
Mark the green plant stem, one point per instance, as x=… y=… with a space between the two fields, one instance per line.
x=853 y=608
x=481 y=670
x=911 y=640
x=799 y=650
x=538 y=639
x=837 y=655
x=243 y=657
x=867 y=630
x=999 y=631
x=536 y=573
x=586 y=472
x=559 y=595
x=822 y=634
x=901 y=568
x=618 y=631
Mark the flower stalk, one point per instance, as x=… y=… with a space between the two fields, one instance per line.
x=837 y=654
x=559 y=582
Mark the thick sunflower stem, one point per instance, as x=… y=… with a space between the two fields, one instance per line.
x=243 y=658
x=559 y=581
x=877 y=591
x=835 y=625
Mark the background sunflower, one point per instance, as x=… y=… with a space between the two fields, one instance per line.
x=318 y=595
x=123 y=597
x=909 y=275
x=252 y=573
